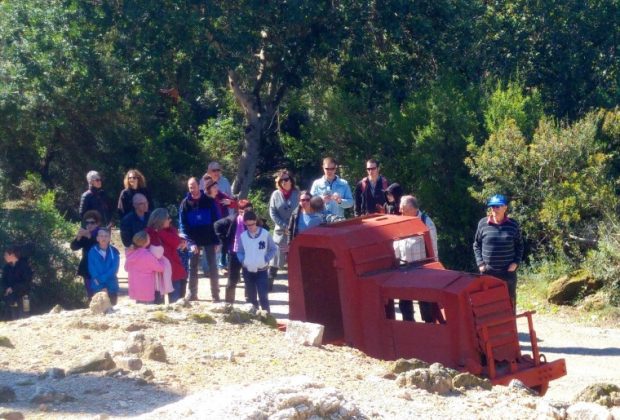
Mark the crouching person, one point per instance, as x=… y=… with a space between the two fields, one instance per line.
x=256 y=249
x=103 y=263
x=16 y=280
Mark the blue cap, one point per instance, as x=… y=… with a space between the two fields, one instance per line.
x=497 y=200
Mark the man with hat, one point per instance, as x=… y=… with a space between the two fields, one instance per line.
x=214 y=170
x=498 y=245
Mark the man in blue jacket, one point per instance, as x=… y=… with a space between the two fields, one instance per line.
x=197 y=214
x=335 y=191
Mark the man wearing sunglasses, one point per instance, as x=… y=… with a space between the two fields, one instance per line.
x=498 y=245
x=335 y=191
x=369 y=192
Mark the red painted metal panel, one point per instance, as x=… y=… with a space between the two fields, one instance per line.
x=343 y=275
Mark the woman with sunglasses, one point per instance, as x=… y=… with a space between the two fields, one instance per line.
x=281 y=206
x=85 y=239
x=308 y=214
x=95 y=198
x=134 y=183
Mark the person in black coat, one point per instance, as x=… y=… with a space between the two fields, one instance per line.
x=136 y=220
x=16 y=281
x=369 y=197
x=95 y=198
x=134 y=183
x=226 y=230
x=84 y=240
x=393 y=193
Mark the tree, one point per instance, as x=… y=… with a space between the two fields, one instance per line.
x=558 y=183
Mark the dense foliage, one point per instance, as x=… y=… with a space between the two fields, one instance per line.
x=457 y=99
x=43 y=234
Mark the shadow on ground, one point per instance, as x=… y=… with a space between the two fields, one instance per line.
x=90 y=394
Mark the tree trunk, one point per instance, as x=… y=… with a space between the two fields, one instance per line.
x=257 y=120
x=249 y=156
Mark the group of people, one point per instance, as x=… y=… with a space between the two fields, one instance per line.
x=215 y=229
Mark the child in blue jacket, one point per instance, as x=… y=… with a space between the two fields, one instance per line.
x=103 y=263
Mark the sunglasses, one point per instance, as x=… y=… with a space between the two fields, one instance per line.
x=216 y=170
x=330 y=169
x=374 y=168
x=285 y=179
x=90 y=222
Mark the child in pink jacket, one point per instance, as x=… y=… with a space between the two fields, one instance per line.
x=141 y=266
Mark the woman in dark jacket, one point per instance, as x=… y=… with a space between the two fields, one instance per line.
x=95 y=198
x=393 y=193
x=134 y=183
x=84 y=240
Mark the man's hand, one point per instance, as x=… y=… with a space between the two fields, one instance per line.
x=482 y=268
x=512 y=267
x=8 y=291
x=336 y=197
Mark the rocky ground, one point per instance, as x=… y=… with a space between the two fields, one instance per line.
x=201 y=362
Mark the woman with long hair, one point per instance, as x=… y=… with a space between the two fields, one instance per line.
x=281 y=206
x=134 y=183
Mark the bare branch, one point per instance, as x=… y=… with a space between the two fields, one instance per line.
x=244 y=99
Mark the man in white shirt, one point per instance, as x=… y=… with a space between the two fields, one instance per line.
x=413 y=249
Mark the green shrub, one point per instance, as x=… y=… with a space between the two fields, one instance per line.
x=535 y=277
x=46 y=233
x=604 y=261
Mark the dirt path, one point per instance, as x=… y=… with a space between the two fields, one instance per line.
x=592 y=354
x=220 y=360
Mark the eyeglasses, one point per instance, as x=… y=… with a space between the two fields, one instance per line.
x=132 y=177
x=90 y=222
x=250 y=224
x=374 y=168
x=330 y=169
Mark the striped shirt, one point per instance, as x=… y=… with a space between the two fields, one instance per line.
x=498 y=245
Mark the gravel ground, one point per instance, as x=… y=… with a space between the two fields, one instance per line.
x=227 y=365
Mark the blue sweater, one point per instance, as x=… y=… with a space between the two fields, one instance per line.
x=103 y=270
x=498 y=245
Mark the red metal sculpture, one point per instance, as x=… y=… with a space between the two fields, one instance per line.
x=345 y=276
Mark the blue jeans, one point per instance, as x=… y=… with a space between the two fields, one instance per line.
x=257 y=283
x=194 y=261
x=179 y=287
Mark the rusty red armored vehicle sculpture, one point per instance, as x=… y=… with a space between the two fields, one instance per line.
x=346 y=277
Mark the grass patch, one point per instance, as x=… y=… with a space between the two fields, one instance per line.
x=203 y=318
x=162 y=318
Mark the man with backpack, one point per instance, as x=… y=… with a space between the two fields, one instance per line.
x=413 y=249
x=369 y=192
